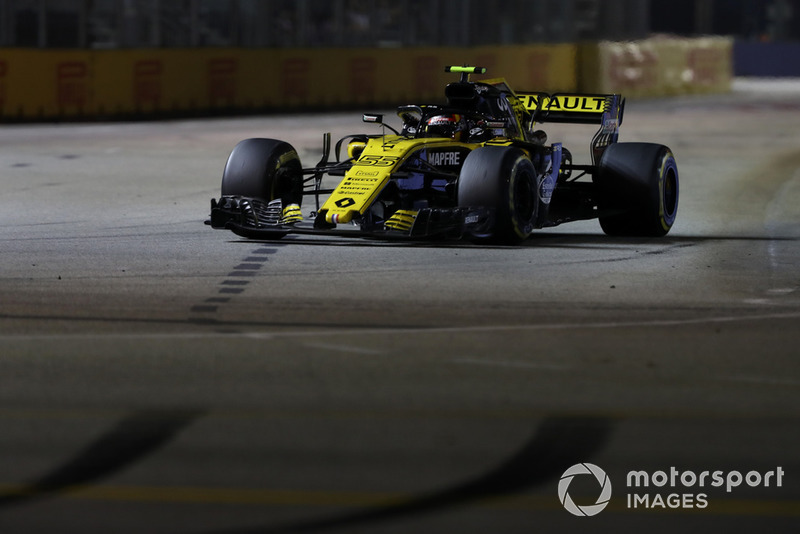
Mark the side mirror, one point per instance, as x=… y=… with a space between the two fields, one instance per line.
x=374 y=118
x=377 y=118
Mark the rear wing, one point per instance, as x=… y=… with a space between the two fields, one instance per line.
x=575 y=108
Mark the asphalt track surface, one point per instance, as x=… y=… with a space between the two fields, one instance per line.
x=159 y=376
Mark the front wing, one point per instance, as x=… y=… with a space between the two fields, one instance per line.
x=256 y=219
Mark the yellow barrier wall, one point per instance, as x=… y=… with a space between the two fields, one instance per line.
x=75 y=84
x=52 y=84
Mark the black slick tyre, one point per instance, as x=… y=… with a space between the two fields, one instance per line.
x=637 y=188
x=503 y=179
x=265 y=169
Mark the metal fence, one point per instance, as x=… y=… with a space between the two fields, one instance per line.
x=368 y=23
x=313 y=23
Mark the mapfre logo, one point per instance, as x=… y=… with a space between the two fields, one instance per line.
x=584 y=469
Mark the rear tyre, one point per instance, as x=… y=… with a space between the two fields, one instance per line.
x=637 y=185
x=503 y=179
x=265 y=169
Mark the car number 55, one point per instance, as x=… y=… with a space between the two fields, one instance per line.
x=377 y=161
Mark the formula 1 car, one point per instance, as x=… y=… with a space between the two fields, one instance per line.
x=475 y=168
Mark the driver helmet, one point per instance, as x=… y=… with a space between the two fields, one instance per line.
x=450 y=125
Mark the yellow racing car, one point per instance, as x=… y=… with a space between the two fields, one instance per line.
x=478 y=167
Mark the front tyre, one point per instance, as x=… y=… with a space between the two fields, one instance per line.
x=637 y=186
x=502 y=179
x=265 y=169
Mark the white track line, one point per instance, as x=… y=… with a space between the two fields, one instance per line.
x=507 y=363
x=333 y=330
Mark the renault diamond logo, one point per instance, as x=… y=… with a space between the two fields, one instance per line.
x=345 y=202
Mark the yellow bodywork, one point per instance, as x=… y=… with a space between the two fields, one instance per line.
x=371 y=172
x=382 y=156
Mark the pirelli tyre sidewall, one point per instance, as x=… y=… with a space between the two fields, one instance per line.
x=265 y=169
x=502 y=178
x=637 y=186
